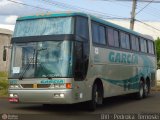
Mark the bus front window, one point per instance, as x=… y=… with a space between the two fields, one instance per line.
x=41 y=59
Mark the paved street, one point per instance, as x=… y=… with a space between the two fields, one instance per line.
x=120 y=104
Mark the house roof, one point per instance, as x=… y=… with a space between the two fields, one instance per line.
x=5 y=31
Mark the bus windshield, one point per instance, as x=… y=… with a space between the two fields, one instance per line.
x=44 y=26
x=41 y=59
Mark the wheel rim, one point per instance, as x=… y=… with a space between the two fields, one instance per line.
x=96 y=97
x=146 y=89
x=141 y=91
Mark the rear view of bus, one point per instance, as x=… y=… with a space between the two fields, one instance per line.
x=47 y=53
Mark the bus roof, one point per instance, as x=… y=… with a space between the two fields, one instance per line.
x=50 y=15
x=67 y=14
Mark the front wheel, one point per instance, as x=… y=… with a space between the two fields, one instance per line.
x=93 y=102
x=97 y=98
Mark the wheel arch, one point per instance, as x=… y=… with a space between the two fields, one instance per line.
x=99 y=83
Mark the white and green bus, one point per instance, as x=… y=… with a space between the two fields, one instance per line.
x=67 y=58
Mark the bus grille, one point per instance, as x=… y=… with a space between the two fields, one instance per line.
x=38 y=85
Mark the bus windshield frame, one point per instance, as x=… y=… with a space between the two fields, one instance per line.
x=66 y=42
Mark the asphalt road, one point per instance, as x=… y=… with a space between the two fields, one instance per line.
x=113 y=105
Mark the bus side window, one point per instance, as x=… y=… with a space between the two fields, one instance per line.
x=134 y=43
x=113 y=38
x=150 y=47
x=78 y=61
x=81 y=48
x=98 y=34
x=82 y=27
x=125 y=41
x=143 y=44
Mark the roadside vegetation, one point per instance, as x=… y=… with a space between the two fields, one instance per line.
x=3 y=84
x=157 y=44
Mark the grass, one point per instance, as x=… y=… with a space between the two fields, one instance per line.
x=3 y=84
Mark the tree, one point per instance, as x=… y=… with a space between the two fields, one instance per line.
x=157 y=44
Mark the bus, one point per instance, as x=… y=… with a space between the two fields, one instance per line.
x=72 y=57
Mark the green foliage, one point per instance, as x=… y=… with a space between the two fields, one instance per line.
x=3 y=87
x=3 y=84
x=157 y=44
x=3 y=74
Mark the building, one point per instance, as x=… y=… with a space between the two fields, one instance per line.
x=5 y=37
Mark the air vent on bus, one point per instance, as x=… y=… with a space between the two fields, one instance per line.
x=38 y=85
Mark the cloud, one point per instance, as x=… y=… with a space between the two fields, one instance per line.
x=11 y=19
x=10 y=27
x=4 y=2
x=9 y=8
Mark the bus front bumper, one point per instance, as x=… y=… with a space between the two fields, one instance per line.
x=42 y=96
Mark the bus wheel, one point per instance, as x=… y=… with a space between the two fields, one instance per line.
x=93 y=103
x=140 y=94
x=146 y=89
x=46 y=105
x=97 y=97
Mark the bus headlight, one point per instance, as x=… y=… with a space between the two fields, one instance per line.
x=11 y=95
x=58 y=95
x=14 y=86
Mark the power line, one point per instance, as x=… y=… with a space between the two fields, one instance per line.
x=29 y=5
x=151 y=11
x=120 y=3
x=71 y=7
x=143 y=8
x=130 y=1
x=100 y=15
x=148 y=25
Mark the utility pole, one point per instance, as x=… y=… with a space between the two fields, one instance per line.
x=133 y=14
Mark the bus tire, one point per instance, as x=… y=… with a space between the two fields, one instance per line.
x=46 y=105
x=93 y=103
x=140 y=93
x=146 y=89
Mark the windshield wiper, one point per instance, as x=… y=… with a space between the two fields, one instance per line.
x=43 y=68
x=26 y=68
x=35 y=60
x=31 y=61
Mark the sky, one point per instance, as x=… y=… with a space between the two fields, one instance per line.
x=107 y=9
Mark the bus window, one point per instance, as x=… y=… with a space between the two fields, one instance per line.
x=82 y=27
x=44 y=26
x=98 y=34
x=150 y=47
x=116 y=38
x=143 y=44
x=113 y=39
x=81 y=48
x=125 y=43
x=78 y=61
x=134 y=43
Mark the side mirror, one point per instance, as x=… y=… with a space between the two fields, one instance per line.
x=4 y=54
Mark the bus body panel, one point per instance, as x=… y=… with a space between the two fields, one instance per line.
x=121 y=75
x=44 y=94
